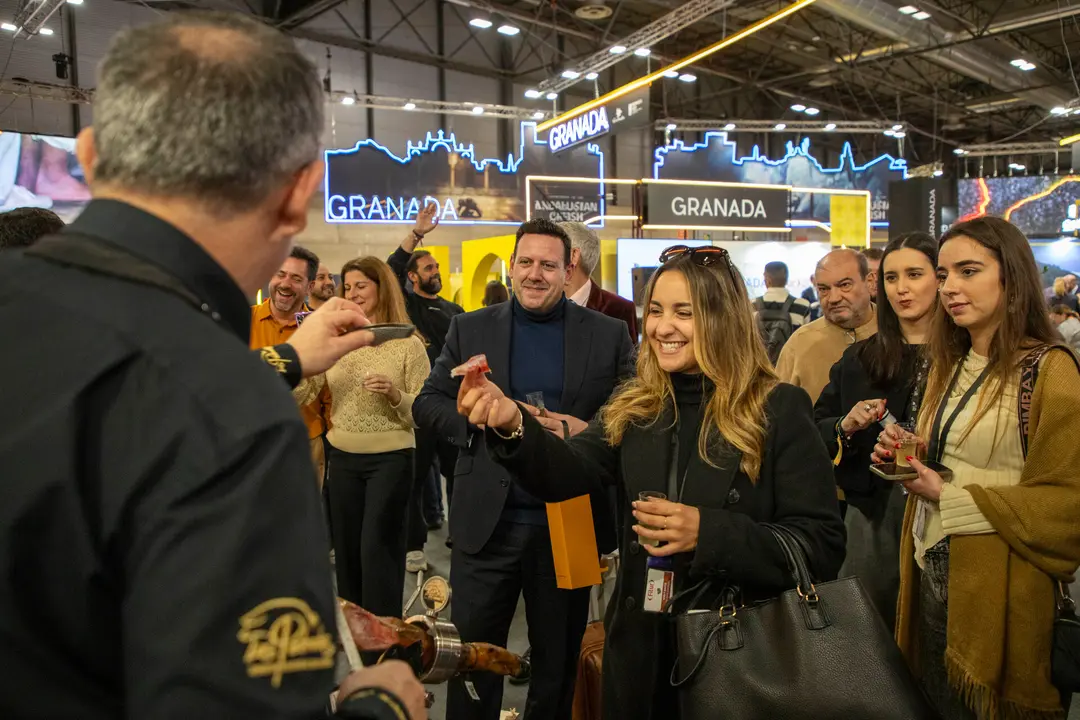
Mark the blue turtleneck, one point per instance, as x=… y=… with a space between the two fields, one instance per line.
x=537 y=342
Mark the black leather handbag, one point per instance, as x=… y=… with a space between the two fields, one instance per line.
x=815 y=651
x=1065 y=656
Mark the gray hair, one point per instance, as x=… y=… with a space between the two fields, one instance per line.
x=211 y=106
x=585 y=239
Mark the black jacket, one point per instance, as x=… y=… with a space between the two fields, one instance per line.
x=848 y=385
x=431 y=317
x=598 y=357
x=795 y=488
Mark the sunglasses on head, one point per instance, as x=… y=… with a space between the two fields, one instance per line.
x=705 y=256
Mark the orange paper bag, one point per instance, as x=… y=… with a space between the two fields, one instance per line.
x=573 y=543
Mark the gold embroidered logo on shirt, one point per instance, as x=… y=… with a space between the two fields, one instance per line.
x=271 y=357
x=283 y=636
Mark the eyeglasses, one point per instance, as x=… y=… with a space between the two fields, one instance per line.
x=705 y=256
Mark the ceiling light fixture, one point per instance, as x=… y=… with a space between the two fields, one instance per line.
x=688 y=77
x=552 y=95
x=45 y=31
x=9 y=27
x=671 y=126
x=508 y=30
x=671 y=74
x=779 y=126
x=830 y=127
x=409 y=106
x=571 y=74
x=921 y=15
x=533 y=93
x=890 y=133
x=482 y=23
x=75 y=2
x=897 y=127
x=617 y=49
x=538 y=115
x=592 y=76
x=798 y=107
x=960 y=151
x=939 y=173
x=729 y=127
x=1017 y=166
x=1053 y=111
x=643 y=52
x=812 y=111
x=908 y=10
x=348 y=100
x=899 y=134
x=477 y=110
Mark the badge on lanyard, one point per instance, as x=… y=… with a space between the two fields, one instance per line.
x=659 y=584
x=922 y=513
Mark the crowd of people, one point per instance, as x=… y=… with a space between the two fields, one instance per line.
x=164 y=544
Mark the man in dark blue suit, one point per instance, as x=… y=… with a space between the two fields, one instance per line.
x=537 y=344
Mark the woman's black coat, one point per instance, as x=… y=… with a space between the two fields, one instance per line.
x=849 y=384
x=795 y=488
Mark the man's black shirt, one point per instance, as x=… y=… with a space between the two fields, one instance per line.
x=431 y=317
x=162 y=549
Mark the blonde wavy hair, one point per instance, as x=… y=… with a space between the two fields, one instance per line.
x=729 y=351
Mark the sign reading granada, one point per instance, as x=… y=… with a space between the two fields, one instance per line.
x=579 y=129
x=717 y=205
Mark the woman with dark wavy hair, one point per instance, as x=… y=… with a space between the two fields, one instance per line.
x=882 y=376
x=984 y=547
x=705 y=422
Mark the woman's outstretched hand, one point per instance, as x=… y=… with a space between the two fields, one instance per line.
x=485 y=405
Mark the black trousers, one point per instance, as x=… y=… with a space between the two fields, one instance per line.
x=369 y=501
x=517 y=560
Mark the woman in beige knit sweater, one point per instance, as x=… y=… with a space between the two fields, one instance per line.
x=982 y=550
x=371 y=444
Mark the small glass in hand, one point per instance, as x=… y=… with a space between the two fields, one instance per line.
x=909 y=444
x=647 y=496
x=536 y=399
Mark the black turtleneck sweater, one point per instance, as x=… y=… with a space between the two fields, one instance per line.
x=691 y=392
x=537 y=342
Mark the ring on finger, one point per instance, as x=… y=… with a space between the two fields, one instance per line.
x=866 y=407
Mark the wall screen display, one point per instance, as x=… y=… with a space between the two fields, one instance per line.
x=638 y=258
x=41 y=171
x=1041 y=205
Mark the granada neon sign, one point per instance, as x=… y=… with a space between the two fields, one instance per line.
x=354 y=208
x=579 y=129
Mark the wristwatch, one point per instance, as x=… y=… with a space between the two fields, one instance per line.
x=418 y=235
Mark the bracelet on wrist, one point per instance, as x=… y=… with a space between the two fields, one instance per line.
x=516 y=434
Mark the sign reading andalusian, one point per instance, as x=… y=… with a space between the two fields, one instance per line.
x=704 y=205
x=622 y=113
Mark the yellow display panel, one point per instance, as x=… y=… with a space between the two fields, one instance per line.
x=850 y=216
x=478 y=262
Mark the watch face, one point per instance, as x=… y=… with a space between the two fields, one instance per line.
x=435 y=595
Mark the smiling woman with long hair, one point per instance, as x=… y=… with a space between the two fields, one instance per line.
x=372 y=443
x=884 y=373
x=983 y=547
x=706 y=423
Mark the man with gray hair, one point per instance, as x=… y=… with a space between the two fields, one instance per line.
x=162 y=539
x=848 y=316
x=581 y=290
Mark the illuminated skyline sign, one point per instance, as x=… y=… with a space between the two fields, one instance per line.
x=369 y=183
x=716 y=159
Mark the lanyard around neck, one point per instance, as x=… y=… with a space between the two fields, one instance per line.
x=939 y=433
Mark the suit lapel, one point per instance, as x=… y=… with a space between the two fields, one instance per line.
x=577 y=346
x=498 y=346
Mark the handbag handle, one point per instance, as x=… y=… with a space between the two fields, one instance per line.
x=797 y=560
